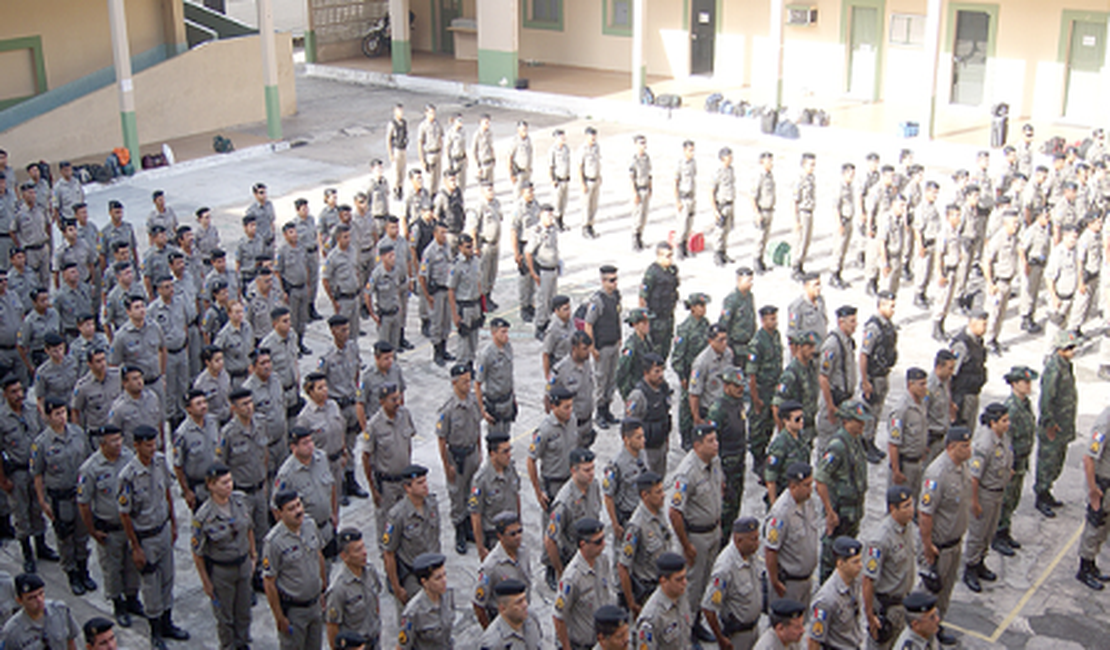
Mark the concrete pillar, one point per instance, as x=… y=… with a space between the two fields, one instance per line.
x=269 y=68
x=309 y=32
x=121 y=55
x=173 y=12
x=402 y=40
x=639 y=37
x=932 y=56
x=777 y=48
x=498 y=37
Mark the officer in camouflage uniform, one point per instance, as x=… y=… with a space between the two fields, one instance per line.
x=763 y=367
x=799 y=382
x=1023 y=430
x=727 y=412
x=841 y=480
x=787 y=447
x=1056 y=427
x=637 y=346
x=738 y=314
x=690 y=339
x=658 y=295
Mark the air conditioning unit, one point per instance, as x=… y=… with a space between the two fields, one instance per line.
x=801 y=16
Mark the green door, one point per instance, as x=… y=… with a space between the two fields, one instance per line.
x=863 y=52
x=448 y=10
x=1086 y=55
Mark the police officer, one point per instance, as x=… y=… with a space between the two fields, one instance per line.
x=878 y=354
x=1097 y=473
x=638 y=346
x=738 y=315
x=695 y=512
x=685 y=196
x=486 y=232
x=40 y=320
x=603 y=324
x=269 y=408
x=1000 y=267
x=724 y=200
x=706 y=384
x=283 y=344
x=526 y=216
x=943 y=515
x=236 y=340
x=57 y=376
x=733 y=604
x=97 y=483
x=665 y=622
x=589 y=173
x=215 y=383
x=459 y=435
x=20 y=424
x=223 y=541
x=387 y=449
x=787 y=626
x=543 y=263
x=341 y=367
x=1064 y=279
x=520 y=157
x=1056 y=426
x=56 y=455
x=435 y=269
x=323 y=418
x=142 y=344
x=294 y=574
x=659 y=295
x=411 y=530
x=306 y=472
x=40 y=623
x=619 y=481
x=146 y=513
x=835 y=620
x=889 y=568
x=382 y=371
x=586 y=585
x=650 y=402
x=992 y=460
x=465 y=289
x=99 y=634
x=786 y=448
x=383 y=292
x=690 y=339
x=647 y=535
x=194 y=449
x=396 y=143
x=909 y=434
x=805 y=202
x=429 y=145
x=763 y=367
x=558 y=168
x=841 y=479
x=807 y=313
x=763 y=205
x=168 y=312
x=798 y=382
x=244 y=448
x=428 y=618
x=351 y=600
x=508 y=560
x=922 y=623
x=952 y=253
x=845 y=210
x=728 y=413
x=971 y=368
x=579 y=498
x=1023 y=430
x=575 y=373
x=494 y=379
x=340 y=277
x=495 y=490
x=639 y=172
x=1035 y=243
x=837 y=374
x=927 y=224
x=791 y=537
x=892 y=243
x=514 y=626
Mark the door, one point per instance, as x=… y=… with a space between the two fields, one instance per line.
x=863 y=52
x=969 y=57
x=448 y=11
x=703 y=30
x=1086 y=55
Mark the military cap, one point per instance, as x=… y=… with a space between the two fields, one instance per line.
x=174 y=255
x=610 y=615
x=386 y=389
x=734 y=376
x=744 y=271
x=1020 y=373
x=846 y=547
x=807 y=338
x=496 y=438
x=414 y=471
x=799 y=471
x=337 y=320
x=669 y=563
x=392 y=218
x=897 y=494
x=526 y=185
x=979 y=314
x=425 y=563
x=919 y=602
x=957 y=434
x=854 y=410
x=52 y=404
x=8 y=380
x=94 y=627
x=704 y=429
x=845 y=311
x=745 y=525
x=278 y=312
x=647 y=480
x=250 y=218
x=914 y=374
x=993 y=413
x=297 y=433
x=25 y=583
x=510 y=587
x=580 y=455
x=810 y=276
x=216 y=470
x=637 y=315
x=607 y=269
x=558 y=301
x=283 y=497
x=887 y=295
x=460 y=369
x=789 y=406
x=971 y=189
x=347 y=535
x=696 y=298
x=53 y=338
x=497 y=322
x=115 y=205
x=559 y=393
x=1064 y=339
x=158 y=228
x=386 y=247
x=239 y=393
x=787 y=608
x=69 y=265
x=767 y=310
x=587 y=526
x=347 y=640
x=108 y=429
x=652 y=359
x=503 y=520
x=145 y=432
x=381 y=347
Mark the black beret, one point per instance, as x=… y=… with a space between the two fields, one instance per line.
x=744 y=271
x=145 y=432
x=53 y=338
x=647 y=480
x=580 y=455
x=338 y=319
x=297 y=433
x=887 y=295
x=608 y=268
x=810 y=276
x=96 y=626
x=460 y=369
x=414 y=471
x=158 y=228
x=787 y=608
x=558 y=301
x=108 y=430
x=498 y=322
x=798 y=471
x=745 y=525
x=789 y=406
x=283 y=497
x=919 y=602
x=69 y=265
x=52 y=404
x=217 y=470
x=238 y=394
x=957 y=434
x=897 y=494
x=496 y=438
x=386 y=389
x=846 y=310
x=381 y=347
x=610 y=615
x=559 y=393
x=510 y=587
x=767 y=310
x=669 y=563
x=846 y=547
x=25 y=583
x=587 y=526
x=84 y=316
x=348 y=535
x=914 y=374
x=503 y=520
x=425 y=563
x=386 y=247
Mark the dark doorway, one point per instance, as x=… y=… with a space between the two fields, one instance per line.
x=703 y=31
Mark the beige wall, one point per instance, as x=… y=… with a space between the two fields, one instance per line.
x=213 y=86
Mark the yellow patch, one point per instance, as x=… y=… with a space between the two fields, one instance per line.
x=402 y=637
x=926 y=499
x=551 y=528
x=532 y=448
x=385 y=538
x=266 y=563
x=818 y=628
x=123 y=499
x=716 y=598
x=677 y=499
x=628 y=550
x=872 y=565
x=480 y=593
x=976 y=464
x=773 y=535
x=605 y=483
x=560 y=603
x=333 y=614
x=473 y=501
x=1094 y=447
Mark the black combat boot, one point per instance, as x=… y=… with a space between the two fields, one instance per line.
x=171 y=631
x=460 y=539
x=134 y=606
x=29 y=565
x=1000 y=543
x=1044 y=507
x=353 y=488
x=945 y=637
x=637 y=242
x=75 y=583
x=490 y=304
x=1088 y=575
x=405 y=344
x=44 y=552
x=86 y=579
x=119 y=610
x=156 y=640
x=938 y=331
x=437 y=355
x=425 y=328
x=985 y=573
x=6 y=530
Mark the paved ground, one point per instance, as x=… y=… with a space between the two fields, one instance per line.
x=1036 y=604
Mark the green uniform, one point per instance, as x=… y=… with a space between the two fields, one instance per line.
x=1023 y=427
x=659 y=291
x=843 y=469
x=738 y=319
x=764 y=362
x=630 y=367
x=690 y=339
x=1058 y=407
x=799 y=383
x=783 y=450
x=732 y=435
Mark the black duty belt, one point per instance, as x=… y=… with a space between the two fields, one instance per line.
x=724 y=204
x=7 y=347
x=367 y=250
x=5 y=235
x=561 y=179
x=388 y=312
x=583 y=421
x=336 y=456
x=152 y=380
x=291 y=602
x=1067 y=297
x=643 y=188
x=733 y=626
x=686 y=196
x=1037 y=261
x=909 y=459
x=62 y=493
x=1004 y=279
x=345 y=296
x=344 y=402
x=106 y=526
x=34 y=247
x=295 y=286
x=232 y=562
x=949 y=544
x=251 y=489
x=590 y=180
x=289 y=387
x=462 y=450
x=468 y=303
x=991 y=489
x=888 y=600
x=500 y=399
x=786 y=577
x=151 y=532
x=698 y=530
x=177 y=350
x=237 y=374
x=929 y=243
x=313 y=250
x=547 y=268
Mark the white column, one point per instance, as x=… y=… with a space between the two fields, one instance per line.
x=639 y=64
x=932 y=57
x=777 y=49
x=121 y=56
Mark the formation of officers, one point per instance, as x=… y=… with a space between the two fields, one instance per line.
x=123 y=376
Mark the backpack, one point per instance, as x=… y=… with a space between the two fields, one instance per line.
x=222 y=145
x=669 y=101
x=713 y=103
x=788 y=130
x=579 y=316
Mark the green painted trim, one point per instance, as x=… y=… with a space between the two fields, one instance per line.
x=495 y=65
x=1069 y=16
x=401 y=52
x=720 y=22
x=129 y=126
x=845 y=24
x=310 y=46
x=992 y=32
x=33 y=43
x=8 y=103
x=611 y=30
x=685 y=15
x=550 y=25
x=273 y=113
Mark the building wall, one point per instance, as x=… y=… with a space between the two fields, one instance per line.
x=213 y=86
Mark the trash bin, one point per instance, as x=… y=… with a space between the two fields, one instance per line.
x=1000 y=124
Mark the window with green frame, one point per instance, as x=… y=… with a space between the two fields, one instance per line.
x=617 y=20
x=544 y=14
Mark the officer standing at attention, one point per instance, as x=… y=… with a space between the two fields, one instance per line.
x=909 y=434
x=557 y=339
x=387 y=449
x=495 y=490
x=341 y=366
x=294 y=574
x=39 y=623
x=383 y=295
x=223 y=541
x=603 y=324
x=835 y=621
x=323 y=418
x=244 y=448
x=146 y=513
x=482 y=148
x=459 y=435
x=140 y=343
x=1023 y=432
x=763 y=206
x=733 y=604
x=845 y=210
x=586 y=586
x=508 y=560
x=763 y=367
x=351 y=600
x=306 y=472
x=428 y=618
x=1056 y=427
x=575 y=374
x=589 y=173
x=787 y=447
x=20 y=424
x=1096 y=470
x=659 y=295
x=619 y=481
x=640 y=173
x=638 y=346
x=798 y=383
x=786 y=626
x=665 y=622
x=429 y=144
x=922 y=623
x=889 y=568
x=685 y=196
x=611 y=628
x=292 y=270
x=411 y=529
x=791 y=537
x=690 y=339
x=738 y=315
x=487 y=240
x=647 y=535
x=805 y=202
x=340 y=278
x=878 y=354
x=435 y=270
x=695 y=513
x=494 y=379
x=728 y=413
x=514 y=624
x=842 y=481
x=558 y=167
x=650 y=402
x=971 y=368
x=455 y=142
x=807 y=313
x=464 y=294
x=542 y=258
x=705 y=373
x=580 y=497
x=838 y=373
x=1000 y=269
x=526 y=216
x=194 y=449
x=724 y=201
x=992 y=460
x=943 y=516
x=396 y=143
x=520 y=158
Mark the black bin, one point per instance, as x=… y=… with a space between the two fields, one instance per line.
x=1000 y=124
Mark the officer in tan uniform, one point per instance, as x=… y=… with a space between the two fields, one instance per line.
x=787 y=626
x=992 y=462
x=509 y=560
x=514 y=626
x=665 y=622
x=647 y=535
x=352 y=597
x=411 y=529
x=294 y=574
x=640 y=173
x=585 y=586
x=459 y=436
x=889 y=568
x=306 y=472
x=908 y=445
x=1096 y=469
x=387 y=449
x=494 y=490
x=735 y=599
x=428 y=618
x=792 y=537
x=763 y=206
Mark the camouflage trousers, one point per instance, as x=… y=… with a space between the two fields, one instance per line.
x=1013 y=491
x=1050 y=460
x=732 y=467
x=685 y=421
x=662 y=335
x=761 y=426
x=850 y=518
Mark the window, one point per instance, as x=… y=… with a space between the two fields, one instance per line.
x=907 y=29
x=617 y=19
x=544 y=14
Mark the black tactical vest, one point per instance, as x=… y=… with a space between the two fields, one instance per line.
x=657 y=414
x=607 y=328
x=973 y=369
x=884 y=353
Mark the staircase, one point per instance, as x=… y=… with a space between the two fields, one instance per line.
x=203 y=24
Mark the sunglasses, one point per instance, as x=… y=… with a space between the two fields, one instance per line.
x=596 y=542
x=796 y=418
x=608 y=279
